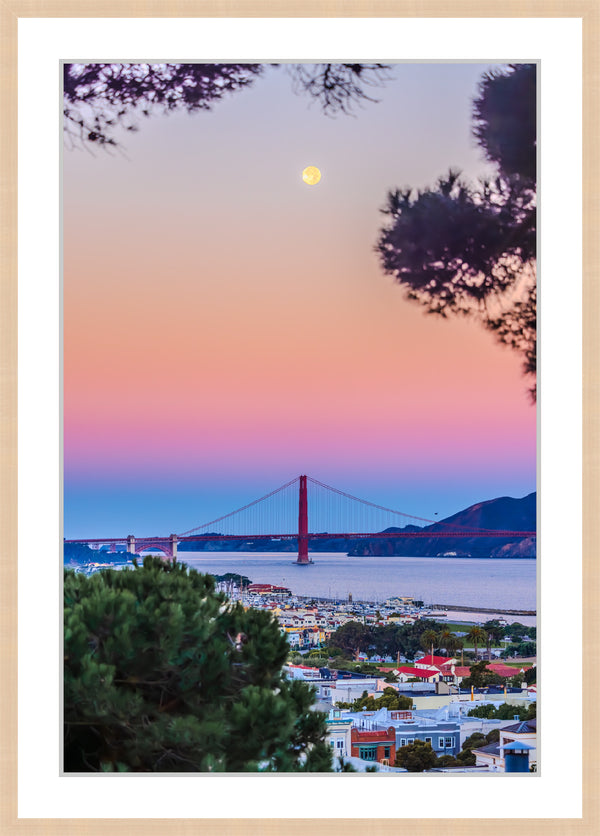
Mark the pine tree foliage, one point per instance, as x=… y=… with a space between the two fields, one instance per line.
x=469 y=249
x=98 y=98
x=505 y=119
x=163 y=674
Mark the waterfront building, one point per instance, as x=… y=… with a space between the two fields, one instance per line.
x=399 y=601
x=401 y=618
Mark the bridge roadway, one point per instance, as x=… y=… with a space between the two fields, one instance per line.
x=168 y=545
x=321 y=535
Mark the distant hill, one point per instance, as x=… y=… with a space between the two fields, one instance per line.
x=504 y=513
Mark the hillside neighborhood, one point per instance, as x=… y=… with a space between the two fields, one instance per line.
x=400 y=687
x=429 y=712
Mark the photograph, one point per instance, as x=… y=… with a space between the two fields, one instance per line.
x=299 y=417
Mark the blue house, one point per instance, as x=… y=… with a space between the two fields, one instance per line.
x=444 y=736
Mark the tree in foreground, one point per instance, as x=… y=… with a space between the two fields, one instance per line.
x=470 y=249
x=416 y=757
x=100 y=97
x=163 y=674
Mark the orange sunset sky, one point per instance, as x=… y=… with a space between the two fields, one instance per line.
x=227 y=327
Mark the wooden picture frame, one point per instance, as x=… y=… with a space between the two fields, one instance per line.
x=342 y=821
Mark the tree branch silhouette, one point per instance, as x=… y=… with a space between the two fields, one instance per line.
x=470 y=249
x=100 y=97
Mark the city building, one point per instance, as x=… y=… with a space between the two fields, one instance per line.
x=339 y=733
x=349 y=690
x=376 y=745
x=443 y=735
x=493 y=756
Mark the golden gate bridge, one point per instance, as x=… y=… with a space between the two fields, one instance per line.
x=335 y=514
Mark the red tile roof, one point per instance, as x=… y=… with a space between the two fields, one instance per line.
x=442 y=661
x=503 y=670
x=418 y=672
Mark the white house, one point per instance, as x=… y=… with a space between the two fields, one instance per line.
x=339 y=733
x=492 y=756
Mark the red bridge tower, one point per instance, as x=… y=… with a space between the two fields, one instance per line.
x=303 y=559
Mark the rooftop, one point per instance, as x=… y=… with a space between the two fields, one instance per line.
x=524 y=727
x=440 y=661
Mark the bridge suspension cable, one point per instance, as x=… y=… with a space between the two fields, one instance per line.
x=239 y=510
x=328 y=513
x=366 y=502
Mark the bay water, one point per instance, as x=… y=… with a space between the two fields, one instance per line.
x=492 y=583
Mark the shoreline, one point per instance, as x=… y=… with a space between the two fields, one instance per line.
x=456 y=608
x=441 y=607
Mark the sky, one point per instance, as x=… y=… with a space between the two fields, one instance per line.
x=227 y=327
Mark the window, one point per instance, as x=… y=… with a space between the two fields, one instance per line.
x=449 y=742
x=386 y=752
x=367 y=753
x=340 y=744
x=429 y=740
x=402 y=741
x=440 y=742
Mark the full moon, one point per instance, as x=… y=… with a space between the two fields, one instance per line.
x=311 y=175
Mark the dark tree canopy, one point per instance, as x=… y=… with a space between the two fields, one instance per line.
x=480 y=676
x=389 y=699
x=162 y=674
x=390 y=639
x=98 y=97
x=470 y=249
x=504 y=120
x=506 y=711
x=416 y=757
